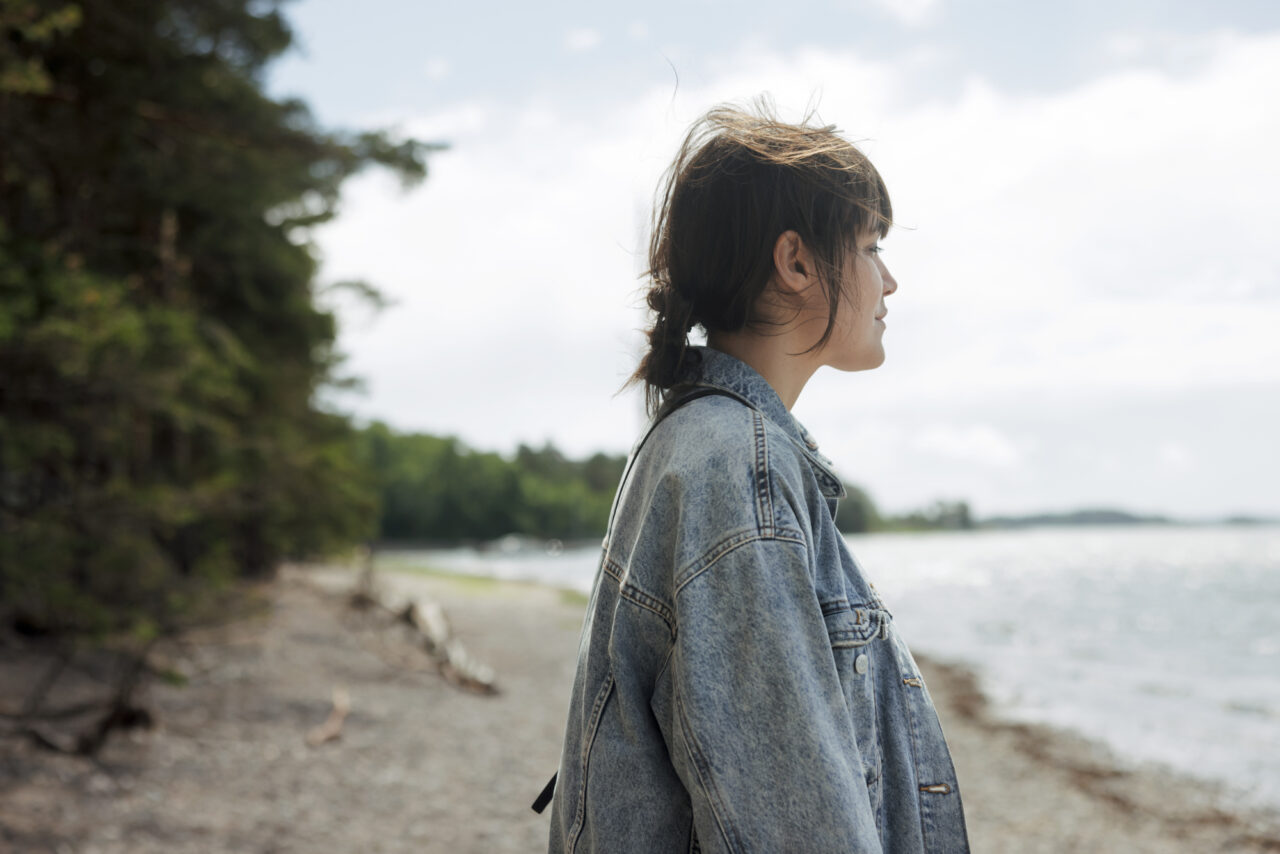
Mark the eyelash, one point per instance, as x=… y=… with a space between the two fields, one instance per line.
x=875 y=250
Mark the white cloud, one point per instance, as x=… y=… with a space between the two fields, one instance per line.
x=582 y=39
x=1165 y=48
x=1115 y=236
x=911 y=13
x=1173 y=454
x=974 y=443
x=438 y=68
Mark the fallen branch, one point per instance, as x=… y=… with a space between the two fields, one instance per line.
x=332 y=727
x=430 y=626
x=452 y=659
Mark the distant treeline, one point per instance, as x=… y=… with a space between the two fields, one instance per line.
x=436 y=488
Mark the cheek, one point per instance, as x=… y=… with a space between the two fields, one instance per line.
x=868 y=281
x=870 y=287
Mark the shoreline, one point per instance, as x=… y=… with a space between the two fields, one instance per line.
x=1139 y=795
x=423 y=766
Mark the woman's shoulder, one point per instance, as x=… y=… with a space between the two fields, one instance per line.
x=719 y=443
x=710 y=428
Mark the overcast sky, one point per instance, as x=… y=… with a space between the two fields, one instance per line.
x=1088 y=309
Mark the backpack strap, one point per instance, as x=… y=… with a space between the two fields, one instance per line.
x=666 y=409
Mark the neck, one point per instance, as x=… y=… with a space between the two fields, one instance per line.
x=777 y=358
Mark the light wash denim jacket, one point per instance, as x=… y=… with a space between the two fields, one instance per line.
x=740 y=685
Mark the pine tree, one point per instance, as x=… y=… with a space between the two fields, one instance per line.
x=161 y=348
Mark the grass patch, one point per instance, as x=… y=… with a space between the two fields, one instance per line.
x=478 y=583
x=465 y=582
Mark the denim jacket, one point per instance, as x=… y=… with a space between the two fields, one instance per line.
x=740 y=685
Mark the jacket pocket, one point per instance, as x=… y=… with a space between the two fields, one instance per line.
x=851 y=627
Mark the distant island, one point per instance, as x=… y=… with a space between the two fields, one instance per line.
x=858 y=513
x=1111 y=516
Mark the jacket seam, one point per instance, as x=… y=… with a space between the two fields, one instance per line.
x=638 y=596
x=764 y=501
x=730 y=544
x=593 y=727
x=704 y=779
x=641 y=599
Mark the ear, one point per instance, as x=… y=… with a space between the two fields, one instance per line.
x=793 y=264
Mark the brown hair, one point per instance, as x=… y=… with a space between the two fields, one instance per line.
x=740 y=179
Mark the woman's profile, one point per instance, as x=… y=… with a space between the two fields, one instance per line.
x=740 y=685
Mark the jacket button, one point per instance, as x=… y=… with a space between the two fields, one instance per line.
x=860 y=663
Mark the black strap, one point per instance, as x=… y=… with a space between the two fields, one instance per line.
x=545 y=798
x=667 y=408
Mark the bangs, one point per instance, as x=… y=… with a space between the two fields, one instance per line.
x=870 y=196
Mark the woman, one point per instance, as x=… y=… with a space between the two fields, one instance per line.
x=740 y=686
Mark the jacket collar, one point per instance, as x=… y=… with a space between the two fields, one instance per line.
x=712 y=368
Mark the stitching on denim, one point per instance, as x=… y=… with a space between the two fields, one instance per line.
x=853 y=641
x=614 y=569
x=641 y=599
x=703 y=771
x=638 y=596
x=781 y=535
x=869 y=624
x=593 y=726
x=764 y=501
x=834 y=606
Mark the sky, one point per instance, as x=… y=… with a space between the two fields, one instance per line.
x=1088 y=311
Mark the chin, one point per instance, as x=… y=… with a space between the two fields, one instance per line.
x=865 y=362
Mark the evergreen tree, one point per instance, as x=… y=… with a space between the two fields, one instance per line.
x=160 y=344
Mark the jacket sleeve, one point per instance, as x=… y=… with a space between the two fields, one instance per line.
x=763 y=739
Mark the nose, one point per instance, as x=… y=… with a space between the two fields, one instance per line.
x=890 y=283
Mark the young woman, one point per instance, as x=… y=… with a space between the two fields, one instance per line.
x=740 y=685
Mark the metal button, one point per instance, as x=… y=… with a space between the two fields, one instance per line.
x=860 y=664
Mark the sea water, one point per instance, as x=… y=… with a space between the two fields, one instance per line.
x=1161 y=641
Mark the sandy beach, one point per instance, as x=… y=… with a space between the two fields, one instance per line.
x=422 y=766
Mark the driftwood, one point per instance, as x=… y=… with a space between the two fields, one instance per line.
x=332 y=727
x=431 y=629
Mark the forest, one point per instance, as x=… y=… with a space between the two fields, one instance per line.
x=160 y=335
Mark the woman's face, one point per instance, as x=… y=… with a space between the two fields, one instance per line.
x=855 y=343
